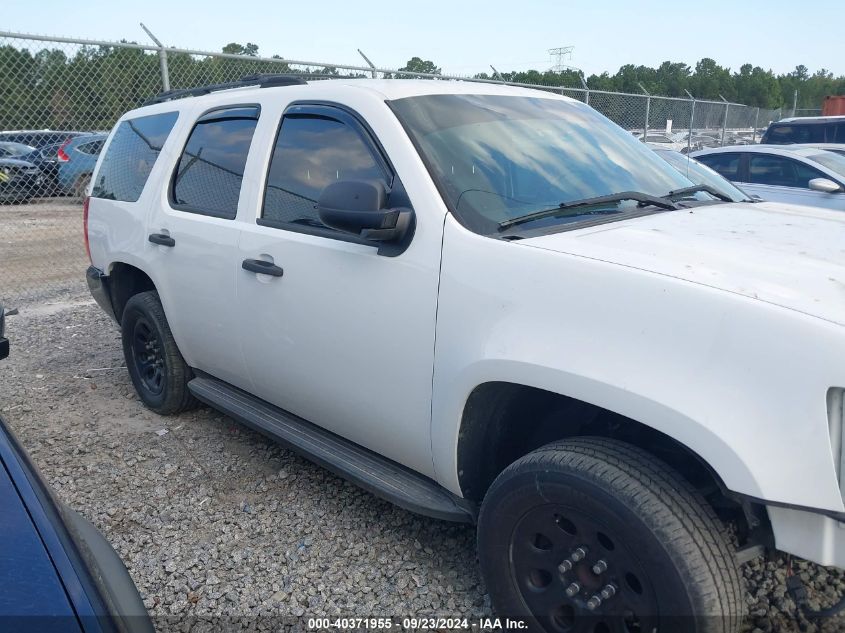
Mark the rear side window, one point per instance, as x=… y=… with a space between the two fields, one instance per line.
x=795 y=133
x=312 y=152
x=725 y=164
x=93 y=149
x=131 y=155
x=211 y=169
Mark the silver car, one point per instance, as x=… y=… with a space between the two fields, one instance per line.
x=782 y=173
x=700 y=174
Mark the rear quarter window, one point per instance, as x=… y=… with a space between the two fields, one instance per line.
x=92 y=149
x=131 y=155
x=795 y=133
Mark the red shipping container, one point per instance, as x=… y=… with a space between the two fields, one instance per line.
x=832 y=106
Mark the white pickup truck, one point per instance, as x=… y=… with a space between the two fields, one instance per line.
x=491 y=305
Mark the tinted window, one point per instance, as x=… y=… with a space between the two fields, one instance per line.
x=783 y=172
x=795 y=133
x=500 y=157
x=701 y=174
x=91 y=148
x=727 y=165
x=312 y=152
x=838 y=133
x=131 y=155
x=210 y=172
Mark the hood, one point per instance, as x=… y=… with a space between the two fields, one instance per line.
x=791 y=256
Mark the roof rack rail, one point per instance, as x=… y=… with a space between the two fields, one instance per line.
x=260 y=80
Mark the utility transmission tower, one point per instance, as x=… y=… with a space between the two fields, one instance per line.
x=561 y=55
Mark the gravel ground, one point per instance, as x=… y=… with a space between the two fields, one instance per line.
x=214 y=520
x=40 y=246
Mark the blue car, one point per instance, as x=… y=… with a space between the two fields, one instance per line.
x=77 y=158
x=57 y=572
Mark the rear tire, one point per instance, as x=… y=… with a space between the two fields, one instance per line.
x=156 y=367
x=644 y=531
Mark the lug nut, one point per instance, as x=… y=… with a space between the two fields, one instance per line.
x=593 y=603
x=608 y=592
x=565 y=566
x=573 y=589
x=578 y=554
x=600 y=567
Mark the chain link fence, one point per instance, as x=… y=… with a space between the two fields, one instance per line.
x=67 y=89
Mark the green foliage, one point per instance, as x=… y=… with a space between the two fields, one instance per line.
x=751 y=85
x=418 y=65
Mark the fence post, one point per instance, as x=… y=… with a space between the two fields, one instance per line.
x=165 y=72
x=647 y=109
x=725 y=123
x=691 y=120
x=754 y=133
x=162 y=59
x=586 y=88
x=369 y=63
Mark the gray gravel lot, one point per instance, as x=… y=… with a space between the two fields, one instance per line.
x=41 y=246
x=213 y=519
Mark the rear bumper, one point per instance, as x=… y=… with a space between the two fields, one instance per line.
x=98 y=284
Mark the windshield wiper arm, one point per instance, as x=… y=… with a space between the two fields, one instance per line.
x=642 y=198
x=695 y=189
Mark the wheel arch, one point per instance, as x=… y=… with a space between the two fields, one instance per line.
x=125 y=281
x=495 y=431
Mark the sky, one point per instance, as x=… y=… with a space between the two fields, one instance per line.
x=466 y=37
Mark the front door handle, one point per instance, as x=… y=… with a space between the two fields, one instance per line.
x=162 y=240
x=263 y=267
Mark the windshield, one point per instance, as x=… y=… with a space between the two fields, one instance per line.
x=496 y=158
x=833 y=161
x=702 y=175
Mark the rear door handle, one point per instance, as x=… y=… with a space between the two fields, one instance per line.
x=162 y=240
x=260 y=266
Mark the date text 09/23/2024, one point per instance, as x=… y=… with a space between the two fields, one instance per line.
x=416 y=624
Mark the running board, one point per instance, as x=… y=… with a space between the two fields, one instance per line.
x=376 y=474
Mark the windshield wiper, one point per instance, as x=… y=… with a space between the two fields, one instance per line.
x=643 y=198
x=695 y=189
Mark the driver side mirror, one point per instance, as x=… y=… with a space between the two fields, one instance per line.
x=359 y=207
x=825 y=185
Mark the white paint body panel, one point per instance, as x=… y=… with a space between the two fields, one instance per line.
x=722 y=327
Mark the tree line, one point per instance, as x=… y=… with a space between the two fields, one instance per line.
x=750 y=85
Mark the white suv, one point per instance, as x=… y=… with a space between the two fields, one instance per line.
x=492 y=305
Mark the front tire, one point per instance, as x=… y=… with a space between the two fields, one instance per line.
x=156 y=367
x=592 y=515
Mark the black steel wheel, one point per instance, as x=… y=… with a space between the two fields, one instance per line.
x=147 y=355
x=156 y=367
x=576 y=572
x=596 y=536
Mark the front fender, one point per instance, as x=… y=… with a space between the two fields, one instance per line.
x=741 y=383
